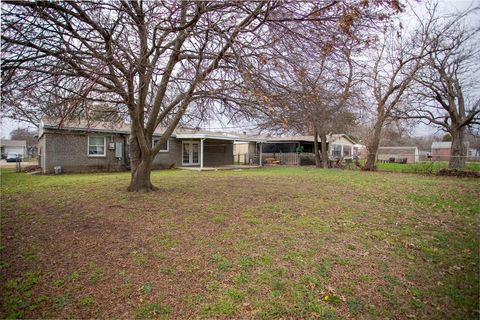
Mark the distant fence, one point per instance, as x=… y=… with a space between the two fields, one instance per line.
x=414 y=158
x=420 y=164
x=290 y=159
x=437 y=157
x=427 y=165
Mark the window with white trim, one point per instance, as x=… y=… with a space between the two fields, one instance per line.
x=96 y=146
x=336 y=150
x=165 y=145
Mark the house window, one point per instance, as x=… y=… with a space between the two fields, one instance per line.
x=346 y=151
x=164 y=147
x=336 y=150
x=96 y=146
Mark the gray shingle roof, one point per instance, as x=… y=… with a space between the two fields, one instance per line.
x=100 y=126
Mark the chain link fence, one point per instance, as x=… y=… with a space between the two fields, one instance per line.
x=429 y=165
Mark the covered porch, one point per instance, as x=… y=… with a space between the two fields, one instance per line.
x=205 y=152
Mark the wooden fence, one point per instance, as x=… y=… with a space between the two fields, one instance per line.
x=290 y=159
x=287 y=159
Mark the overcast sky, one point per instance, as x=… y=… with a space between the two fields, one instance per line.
x=445 y=6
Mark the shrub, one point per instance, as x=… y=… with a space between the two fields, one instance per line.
x=306 y=159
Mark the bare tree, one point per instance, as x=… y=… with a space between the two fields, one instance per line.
x=305 y=84
x=24 y=134
x=305 y=101
x=151 y=59
x=395 y=61
x=446 y=91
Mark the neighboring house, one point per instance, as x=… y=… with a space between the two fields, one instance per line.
x=441 y=151
x=79 y=146
x=13 y=147
x=398 y=154
x=360 y=151
x=342 y=146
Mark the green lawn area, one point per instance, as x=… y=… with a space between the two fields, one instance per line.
x=425 y=167
x=264 y=244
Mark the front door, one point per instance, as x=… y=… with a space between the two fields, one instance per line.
x=190 y=154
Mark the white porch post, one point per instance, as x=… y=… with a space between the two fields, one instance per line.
x=201 y=153
x=351 y=151
x=260 y=154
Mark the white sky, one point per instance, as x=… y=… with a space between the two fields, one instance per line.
x=445 y=6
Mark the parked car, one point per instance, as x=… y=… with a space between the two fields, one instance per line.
x=14 y=157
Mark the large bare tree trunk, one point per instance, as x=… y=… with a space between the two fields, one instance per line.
x=324 y=151
x=372 y=146
x=457 y=151
x=141 y=168
x=315 y=147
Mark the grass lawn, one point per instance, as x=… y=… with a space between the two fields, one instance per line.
x=426 y=167
x=264 y=243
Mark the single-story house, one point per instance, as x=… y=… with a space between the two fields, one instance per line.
x=81 y=146
x=18 y=147
x=342 y=146
x=398 y=154
x=441 y=151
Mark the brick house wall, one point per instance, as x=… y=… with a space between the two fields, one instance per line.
x=70 y=151
x=170 y=159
